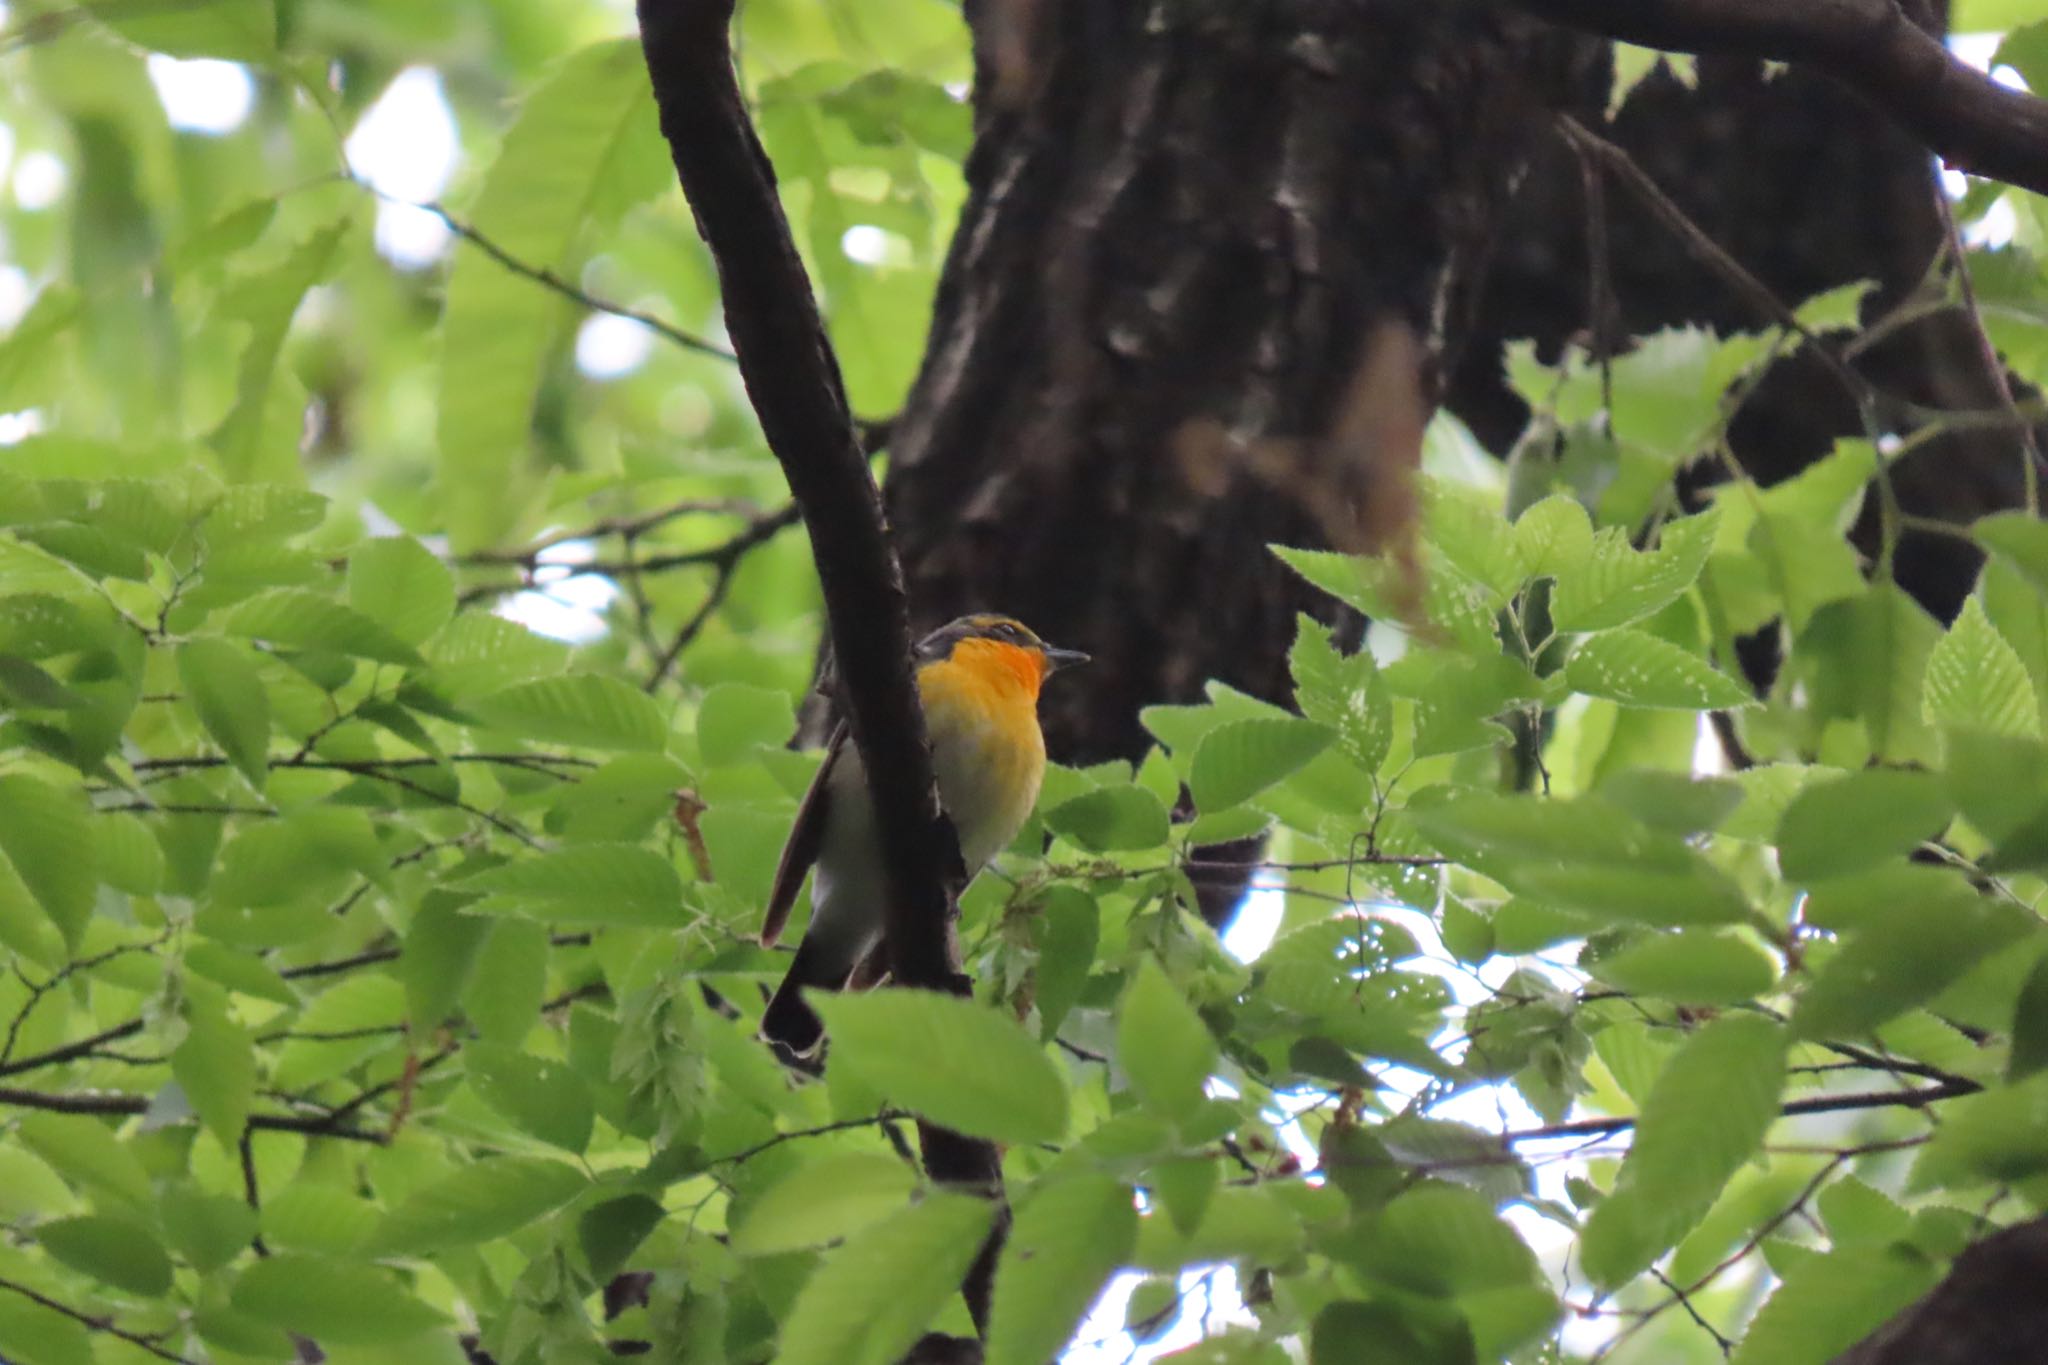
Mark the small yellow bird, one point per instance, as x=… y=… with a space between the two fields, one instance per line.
x=978 y=679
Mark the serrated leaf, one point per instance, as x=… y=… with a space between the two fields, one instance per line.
x=1344 y=692
x=1066 y=930
x=582 y=143
x=735 y=719
x=348 y=1303
x=309 y=1216
x=1112 y=819
x=1853 y=822
x=115 y=1251
x=299 y=619
x=1902 y=955
x=2029 y=1052
x=87 y=1155
x=1976 y=681
x=1066 y=1241
x=1706 y=1115
x=486 y=1199
x=822 y=1202
x=1163 y=1045
x=875 y=1295
x=2019 y=539
x=1690 y=967
x=949 y=1060
x=592 y=884
x=398 y=584
x=228 y=696
x=208 y=1230
x=1452 y=603
x=130 y=858
x=1615 y=584
x=215 y=1066
x=46 y=832
x=438 y=957
x=1238 y=760
x=612 y=1231
x=1553 y=536
x=1636 y=668
x=1829 y=1303
x=592 y=709
x=264 y=303
x=348 y=1022
x=544 y=1098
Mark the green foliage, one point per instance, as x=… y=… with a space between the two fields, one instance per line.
x=383 y=967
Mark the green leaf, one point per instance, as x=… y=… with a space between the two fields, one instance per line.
x=1454 y=604
x=1112 y=819
x=2019 y=539
x=487 y=1199
x=612 y=1231
x=438 y=957
x=309 y=1216
x=1690 y=967
x=1976 y=681
x=1903 y=954
x=268 y=402
x=229 y=698
x=592 y=709
x=2029 y=1053
x=544 y=1098
x=1553 y=536
x=1616 y=584
x=208 y=1230
x=592 y=884
x=949 y=1060
x=1997 y=1136
x=348 y=1303
x=1636 y=668
x=232 y=30
x=1854 y=822
x=46 y=832
x=1241 y=758
x=823 y=1202
x=1066 y=929
x=130 y=858
x=1344 y=692
x=114 y=1251
x=875 y=1295
x=1067 y=1240
x=583 y=147
x=87 y=1155
x=1867 y=656
x=1828 y=1303
x=298 y=619
x=1706 y=1115
x=398 y=584
x=1164 y=1046
x=216 y=1068
x=346 y=1023
x=734 y=720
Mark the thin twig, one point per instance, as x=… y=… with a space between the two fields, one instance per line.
x=97 y=1324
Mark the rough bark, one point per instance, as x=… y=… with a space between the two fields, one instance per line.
x=1188 y=214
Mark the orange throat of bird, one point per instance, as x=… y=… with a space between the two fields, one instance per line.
x=999 y=667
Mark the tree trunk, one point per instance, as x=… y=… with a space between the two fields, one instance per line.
x=1189 y=218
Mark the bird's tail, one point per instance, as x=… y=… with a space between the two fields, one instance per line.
x=789 y=1023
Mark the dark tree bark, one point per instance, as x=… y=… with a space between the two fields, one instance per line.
x=1189 y=213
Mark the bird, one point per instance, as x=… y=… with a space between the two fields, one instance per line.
x=978 y=678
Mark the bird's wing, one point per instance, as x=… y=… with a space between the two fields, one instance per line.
x=804 y=838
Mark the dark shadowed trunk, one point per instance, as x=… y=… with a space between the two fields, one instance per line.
x=1188 y=218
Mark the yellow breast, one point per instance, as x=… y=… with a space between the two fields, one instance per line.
x=987 y=748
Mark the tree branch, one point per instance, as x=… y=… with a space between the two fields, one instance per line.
x=1969 y=120
x=97 y=1324
x=793 y=381
x=322 y=1126
x=1818 y=1104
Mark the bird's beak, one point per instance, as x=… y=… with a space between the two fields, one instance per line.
x=1057 y=659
